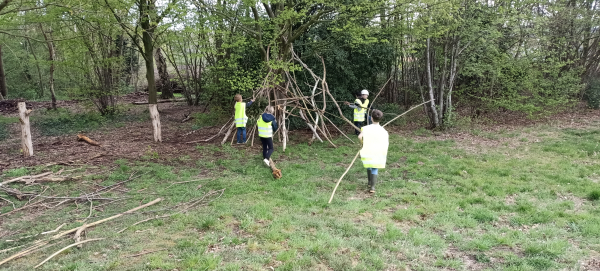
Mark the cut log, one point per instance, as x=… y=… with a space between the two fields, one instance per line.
x=26 y=142
x=155 y=122
x=276 y=172
x=161 y=101
x=81 y=137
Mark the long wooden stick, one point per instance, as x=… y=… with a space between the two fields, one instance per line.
x=26 y=177
x=107 y=219
x=338 y=182
x=26 y=251
x=144 y=253
x=65 y=248
x=404 y=113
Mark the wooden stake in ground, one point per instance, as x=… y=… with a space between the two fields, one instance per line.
x=81 y=137
x=27 y=144
x=155 y=122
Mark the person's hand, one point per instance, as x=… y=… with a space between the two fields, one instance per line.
x=346 y=103
x=252 y=100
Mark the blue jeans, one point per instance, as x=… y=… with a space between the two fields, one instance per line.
x=241 y=135
x=373 y=171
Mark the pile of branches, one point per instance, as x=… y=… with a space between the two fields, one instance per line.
x=290 y=101
x=40 y=200
x=54 y=237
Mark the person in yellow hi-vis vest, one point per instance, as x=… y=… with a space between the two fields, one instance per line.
x=373 y=154
x=361 y=105
x=267 y=126
x=241 y=118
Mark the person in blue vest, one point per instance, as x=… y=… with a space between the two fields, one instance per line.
x=241 y=118
x=267 y=126
x=360 y=105
x=373 y=154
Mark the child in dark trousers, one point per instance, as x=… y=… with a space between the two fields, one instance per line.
x=267 y=126
x=241 y=118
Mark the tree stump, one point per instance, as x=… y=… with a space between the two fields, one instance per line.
x=26 y=142
x=155 y=122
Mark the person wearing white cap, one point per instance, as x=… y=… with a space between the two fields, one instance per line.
x=361 y=105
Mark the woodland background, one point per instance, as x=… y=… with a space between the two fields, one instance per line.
x=531 y=56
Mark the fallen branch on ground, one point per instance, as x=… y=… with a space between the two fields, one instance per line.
x=107 y=219
x=144 y=253
x=24 y=178
x=187 y=206
x=161 y=101
x=81 y=137
x=183 y=182
x=65 y=248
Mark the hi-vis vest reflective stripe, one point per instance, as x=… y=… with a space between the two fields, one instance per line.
x=375 y=146
x=359 y=111
x=265 y=129
x=240 y=114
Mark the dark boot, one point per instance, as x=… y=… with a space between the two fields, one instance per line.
x=370 y=177
x=373 y=183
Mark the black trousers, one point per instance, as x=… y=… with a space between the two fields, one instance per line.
x=358 y=124
x=267 y=144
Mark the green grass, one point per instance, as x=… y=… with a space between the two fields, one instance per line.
x=437 y=204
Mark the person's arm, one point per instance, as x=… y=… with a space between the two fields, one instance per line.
x=250 y=103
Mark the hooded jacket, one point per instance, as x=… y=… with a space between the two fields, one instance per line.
x=266 y=117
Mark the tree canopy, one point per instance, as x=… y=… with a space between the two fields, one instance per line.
x=522 y=55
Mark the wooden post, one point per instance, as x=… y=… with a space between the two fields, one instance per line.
x=27 y=145
x=155 y=122
x=284 y=131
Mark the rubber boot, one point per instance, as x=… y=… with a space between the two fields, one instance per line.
x=370 y=177
x=373 y=183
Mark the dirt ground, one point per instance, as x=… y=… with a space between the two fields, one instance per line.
x=134 y=140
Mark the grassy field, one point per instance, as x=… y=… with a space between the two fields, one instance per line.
x=528 y=200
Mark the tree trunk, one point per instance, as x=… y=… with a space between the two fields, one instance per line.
x=155 y=122
x=147 y=41
x=443 y=84
x=50 y=45
x=37 y=65
x=3 y=90
x=434 y=114
x=26 y=142
x=453 y=65
x=161 y=66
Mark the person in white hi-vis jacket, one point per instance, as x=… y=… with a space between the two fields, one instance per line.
x=373 y=154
